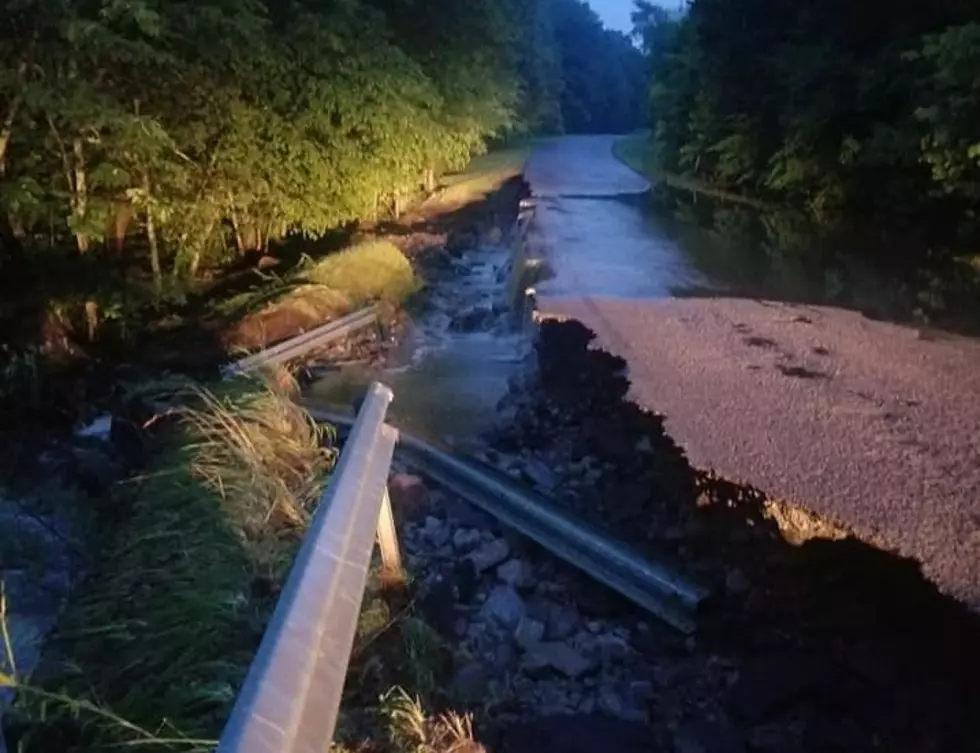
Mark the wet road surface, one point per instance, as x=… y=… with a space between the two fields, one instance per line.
x=874 y=424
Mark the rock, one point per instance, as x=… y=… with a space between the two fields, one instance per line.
x=436 y=533
x=529 y=633
x=554 y=698
x=409 y=495
x=466 y=540
x=737 y=583
x=99 y=428
x=472 y=320
x=504 y=607
x=644 y=446
x=586 y=644
x=612 y=647
x=490 y=555
x=268 y=262
x=562 y=622
x=516 y=573
x=540 y=474
x=559 y=657
x=708 y=736
x=470 y=683
x=610 y=703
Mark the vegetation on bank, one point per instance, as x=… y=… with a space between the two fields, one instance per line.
x=869 y=111
x=147 y=147
x=638 y=152
x=152 y=650
x=482 y=177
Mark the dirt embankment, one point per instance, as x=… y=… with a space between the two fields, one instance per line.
x=815 y=641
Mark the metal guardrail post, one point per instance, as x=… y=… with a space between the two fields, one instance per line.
x=291 y=696
x=391 y=558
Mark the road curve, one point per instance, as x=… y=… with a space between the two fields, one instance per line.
x=871 y=423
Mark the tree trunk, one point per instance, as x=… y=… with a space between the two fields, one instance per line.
x=430 y=181
x=80 y=194
x=6 y=132
x=239 y=243
x=8 y=238
x=119 y=225
x=151 y=237
x=198 y=247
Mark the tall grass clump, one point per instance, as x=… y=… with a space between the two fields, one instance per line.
x=374 y=270
x=184 y=579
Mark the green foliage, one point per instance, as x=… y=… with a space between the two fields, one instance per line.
x=161 y=140
x=601 y=72
x=832 y=105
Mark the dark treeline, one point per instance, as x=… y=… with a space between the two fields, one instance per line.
x=179 y=134
x=870 y=108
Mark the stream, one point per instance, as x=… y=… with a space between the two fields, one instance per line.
x=464 y=345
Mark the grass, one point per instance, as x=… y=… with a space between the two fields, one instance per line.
x=153 y=649
x=484 y=175
x=637 y=152
x=412 y=730
x=168 y=619
x=370 y=271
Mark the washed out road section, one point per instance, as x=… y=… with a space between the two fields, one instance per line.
x=874 y=424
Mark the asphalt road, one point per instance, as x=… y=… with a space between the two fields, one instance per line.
x=873 y=424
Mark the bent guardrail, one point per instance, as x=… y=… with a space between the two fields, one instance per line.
x=291 y=697
x=297 y=346
x=649 y=584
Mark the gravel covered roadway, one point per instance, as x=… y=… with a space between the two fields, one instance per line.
x=873 y=424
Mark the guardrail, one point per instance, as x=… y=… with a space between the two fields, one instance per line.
x=291 y=697
x=297 y=346
x=651 y=585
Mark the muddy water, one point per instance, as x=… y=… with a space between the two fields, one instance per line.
x=464 y=345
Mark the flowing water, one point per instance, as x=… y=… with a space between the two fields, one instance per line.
x=463 y=347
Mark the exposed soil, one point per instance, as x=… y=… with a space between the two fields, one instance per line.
x=814 y=641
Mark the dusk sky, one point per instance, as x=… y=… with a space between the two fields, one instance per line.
x=616 y=13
